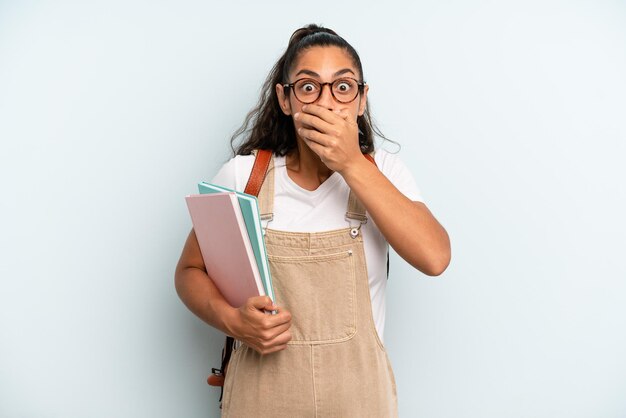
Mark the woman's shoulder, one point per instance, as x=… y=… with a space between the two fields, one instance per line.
x=387 y=162
x=234 y=172
x=392 y=166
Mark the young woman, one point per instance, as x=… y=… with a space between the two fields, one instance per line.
x=333 y=213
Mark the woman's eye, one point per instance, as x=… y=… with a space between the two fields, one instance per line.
x=343 y=87
x=308 y=87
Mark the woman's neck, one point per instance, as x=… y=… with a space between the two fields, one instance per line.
x=306 y=168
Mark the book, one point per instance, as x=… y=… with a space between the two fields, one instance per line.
x=250 y=210
x=226 y=249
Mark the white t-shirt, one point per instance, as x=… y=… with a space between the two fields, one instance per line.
x=300 y=210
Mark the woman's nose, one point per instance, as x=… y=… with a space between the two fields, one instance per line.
x=326 y=98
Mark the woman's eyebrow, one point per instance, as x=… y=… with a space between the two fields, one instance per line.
x=314 y=74
x=308 y=72
x=344 y=71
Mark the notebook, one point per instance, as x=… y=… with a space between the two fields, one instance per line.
x=226 y=250
x=250 y=210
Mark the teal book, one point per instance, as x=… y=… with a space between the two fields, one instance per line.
x=250 y=210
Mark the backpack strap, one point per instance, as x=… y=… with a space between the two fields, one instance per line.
x=259 y=170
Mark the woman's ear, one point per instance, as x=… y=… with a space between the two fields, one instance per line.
x=283 y=100
x=363 y=100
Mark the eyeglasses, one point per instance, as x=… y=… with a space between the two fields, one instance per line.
x=308 y=90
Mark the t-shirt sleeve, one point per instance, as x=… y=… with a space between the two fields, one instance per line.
x=235 y=172
x=226 y=176
x=398 y=173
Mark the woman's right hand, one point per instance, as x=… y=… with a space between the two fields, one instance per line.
x=263 y=332
x=266 y=333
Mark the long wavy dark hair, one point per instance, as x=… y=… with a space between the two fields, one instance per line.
x=267 y=127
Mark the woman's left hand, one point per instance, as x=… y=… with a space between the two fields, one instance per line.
x=332 y=135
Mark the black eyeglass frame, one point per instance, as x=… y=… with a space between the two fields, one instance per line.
x=361 y=86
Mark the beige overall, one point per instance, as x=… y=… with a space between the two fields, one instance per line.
x=335 y=365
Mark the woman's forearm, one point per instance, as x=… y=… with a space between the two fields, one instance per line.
x=202 y=297
x=409 y=227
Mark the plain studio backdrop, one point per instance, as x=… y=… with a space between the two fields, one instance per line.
x=511 y=117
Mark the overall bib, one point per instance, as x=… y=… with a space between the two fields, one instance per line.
x=335 y=365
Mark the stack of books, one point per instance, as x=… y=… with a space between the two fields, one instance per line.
x=228 y=227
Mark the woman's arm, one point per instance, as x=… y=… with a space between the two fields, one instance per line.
x=249 y=323
x=409 y=227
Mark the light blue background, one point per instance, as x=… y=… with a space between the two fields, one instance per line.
x=511 y=116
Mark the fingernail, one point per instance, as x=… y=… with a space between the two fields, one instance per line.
x=304 y=107
x=296 y=116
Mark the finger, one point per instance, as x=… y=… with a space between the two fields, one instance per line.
x=280 y=339
x=343 y=113
x=278 y=330
x=315 y=147
x=315 y=122
x=268 y=339
x=272 y=349
x=260 y=303
x=318 y=149
x=314 y=136
x=322 y=112
x=283 y=338
x=273 y=321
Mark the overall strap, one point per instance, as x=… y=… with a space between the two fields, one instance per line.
x=356 y=210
